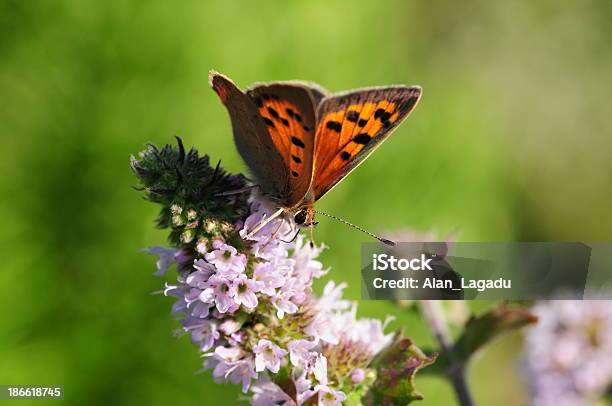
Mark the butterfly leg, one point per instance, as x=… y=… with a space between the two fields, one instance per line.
x=297 y=232
x=264 y=222
x=280 y=224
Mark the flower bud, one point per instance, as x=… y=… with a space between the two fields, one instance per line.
x=210 y=225
x=187 y=236
x=192 y=214
x=175 y=209
x=177 y=220
x=357 y=376
x=193 y=224
x=202 y=245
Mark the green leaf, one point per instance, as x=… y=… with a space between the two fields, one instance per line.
x=480 y=331
x=396 y=367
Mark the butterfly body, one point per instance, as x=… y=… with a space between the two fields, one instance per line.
x=299 y=142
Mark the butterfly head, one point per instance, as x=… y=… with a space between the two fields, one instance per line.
x=304 y=217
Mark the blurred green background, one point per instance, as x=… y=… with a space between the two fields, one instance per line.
x=510 y=142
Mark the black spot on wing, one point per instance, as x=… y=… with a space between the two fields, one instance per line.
x=290 y=112
x=334 y=126
x=386 y=116
x=297 y=142
x=285 y=122
x=362 y=139
x=383 y=116
x=345 y=155
x=296 y=159
x=269 y=122
x=273 y=112
x=295 y=174
x=361 y=123
x=306 y=128
x=352 y=116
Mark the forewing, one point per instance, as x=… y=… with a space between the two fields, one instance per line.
x=287 y=110
x=251 y=137
x=352 y=125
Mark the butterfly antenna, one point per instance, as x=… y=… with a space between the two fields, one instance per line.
x=383 y=240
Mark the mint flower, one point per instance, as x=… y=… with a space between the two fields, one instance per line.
x=247 y=302
x=328 y=396
x=319 y=368
x=204 y=333
x=569 y=352
x=299 y=352
x=244 y=291
x=225 y=285
x=220 y=291
x=268 y=356
x=358 y=375
x=226 y=259
x=268 y=278
x=228 y=365
x=166 y=257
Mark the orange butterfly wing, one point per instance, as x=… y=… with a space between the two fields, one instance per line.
x=273 y=126
x=251 y=137
x=352 y=125
x=288 y=111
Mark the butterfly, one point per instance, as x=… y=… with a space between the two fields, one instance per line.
x=299 y=141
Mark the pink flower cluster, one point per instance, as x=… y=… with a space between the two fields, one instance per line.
x=569 y=352
x=251 y=312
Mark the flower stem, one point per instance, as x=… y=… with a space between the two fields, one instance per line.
x=434 y=316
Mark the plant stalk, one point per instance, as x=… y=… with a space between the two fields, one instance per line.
x=434 y=316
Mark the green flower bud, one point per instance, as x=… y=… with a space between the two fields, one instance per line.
x=193 y=224
x=177 y=220
x=187 y=236
x=210 y=225
x=191 y=214
x=176 y=209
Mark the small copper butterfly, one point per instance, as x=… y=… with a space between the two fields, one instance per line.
x=299 y=141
